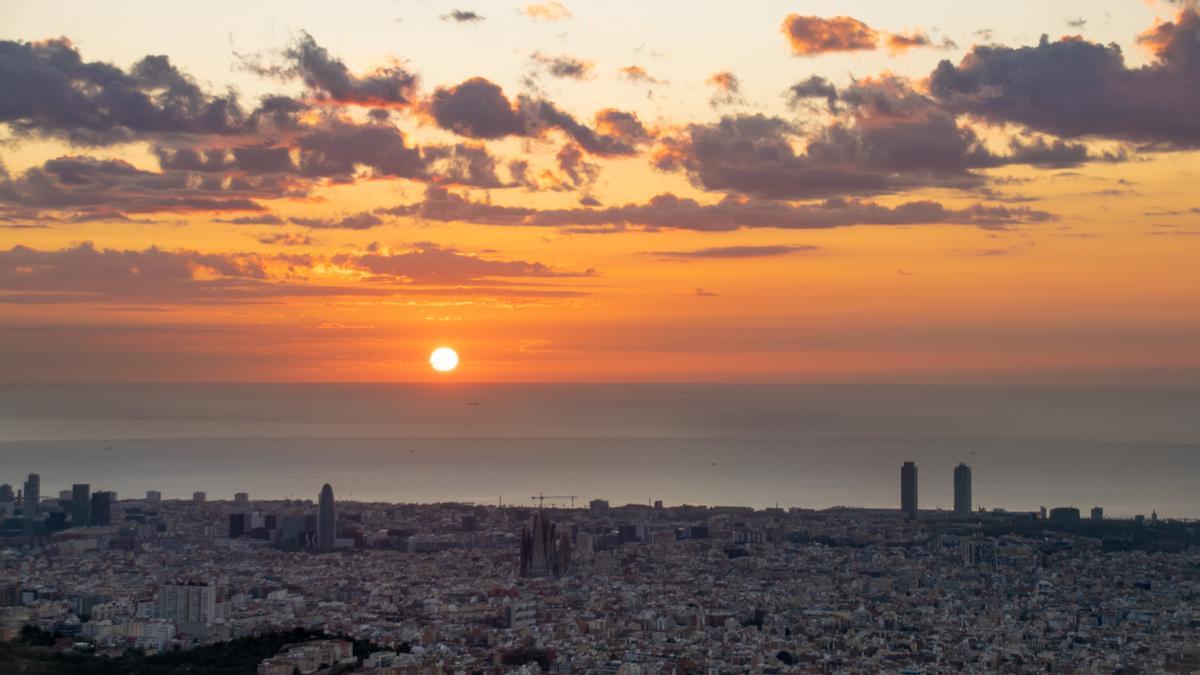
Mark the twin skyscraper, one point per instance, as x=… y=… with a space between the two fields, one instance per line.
x=908 y=490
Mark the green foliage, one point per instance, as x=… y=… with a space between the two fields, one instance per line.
x=234 y=657
x=32 y=635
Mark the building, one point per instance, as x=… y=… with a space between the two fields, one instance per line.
x=326 y=519
x=310 y=657
x=962 y=490
x=192 y=602
x=1097 y=513
x=237 y=525
x=101 y=511
x=241 y=498
x=81 y=504
x=1064 y=514
x=598 y=507
x=199 y=497
x=908 y=490
x=522 y=613
x=544 y=553
x=979 y=551
x=10 y=595
x=33 y=492
x=153 y=496
x=6 y=493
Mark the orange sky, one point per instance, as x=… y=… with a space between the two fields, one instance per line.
x=816 y=207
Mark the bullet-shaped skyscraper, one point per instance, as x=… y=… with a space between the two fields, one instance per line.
x=962 y=490
x=908 y=490
x=326 y=519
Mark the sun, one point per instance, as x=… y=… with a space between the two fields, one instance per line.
x=443 y=359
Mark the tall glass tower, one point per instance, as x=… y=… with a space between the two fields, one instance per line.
x=962 y=490
x=908 y=490
x=33 y=490
x=81 y=505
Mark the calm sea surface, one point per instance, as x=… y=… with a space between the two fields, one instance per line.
x=1130 y=450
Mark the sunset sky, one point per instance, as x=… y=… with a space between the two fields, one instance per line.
x=865 y=191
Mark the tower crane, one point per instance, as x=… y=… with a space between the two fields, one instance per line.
x=541 y=498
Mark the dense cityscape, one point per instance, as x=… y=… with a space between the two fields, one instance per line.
x=865 y=333
x=551 y=587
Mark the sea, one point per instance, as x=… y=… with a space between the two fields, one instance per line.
x=1131 y=450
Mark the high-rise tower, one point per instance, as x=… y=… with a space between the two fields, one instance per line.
x=962 y=490
x=908 y=489
x=81 y=505
x=326 y=519
x=101 y=511
x=32 y=496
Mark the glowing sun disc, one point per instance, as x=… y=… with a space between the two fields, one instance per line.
x=443 y=359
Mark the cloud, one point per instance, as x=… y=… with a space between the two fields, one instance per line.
x=563 y=66
x=814 y=35
x=83 y=273
x=623 y=126
x=813 y=88
x=810 y=35
x=667 y=211
x=357 y=221
x=462 y=164
x=264 y=219
x=728 y=252
x=547 y=11
x=46 y=88
x=898 y=43
x=1176 y=212
x=756 y=155
x=1074 y=88
x=885 y=137
x=478 y=108
x=286 y=239
x=639 y=75
x=330 y=81
x=546 y=115
x=246 y=159
x=427 y=263
x=92 y=189
x=337 y=148
x=463 y=16
x=1056 y=153
x=728 y=90
x=578 y=171
x=238 y=178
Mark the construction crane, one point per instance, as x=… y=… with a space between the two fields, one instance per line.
x=541 y=498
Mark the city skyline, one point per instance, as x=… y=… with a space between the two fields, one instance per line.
x=539 y=541
x=656 y=586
